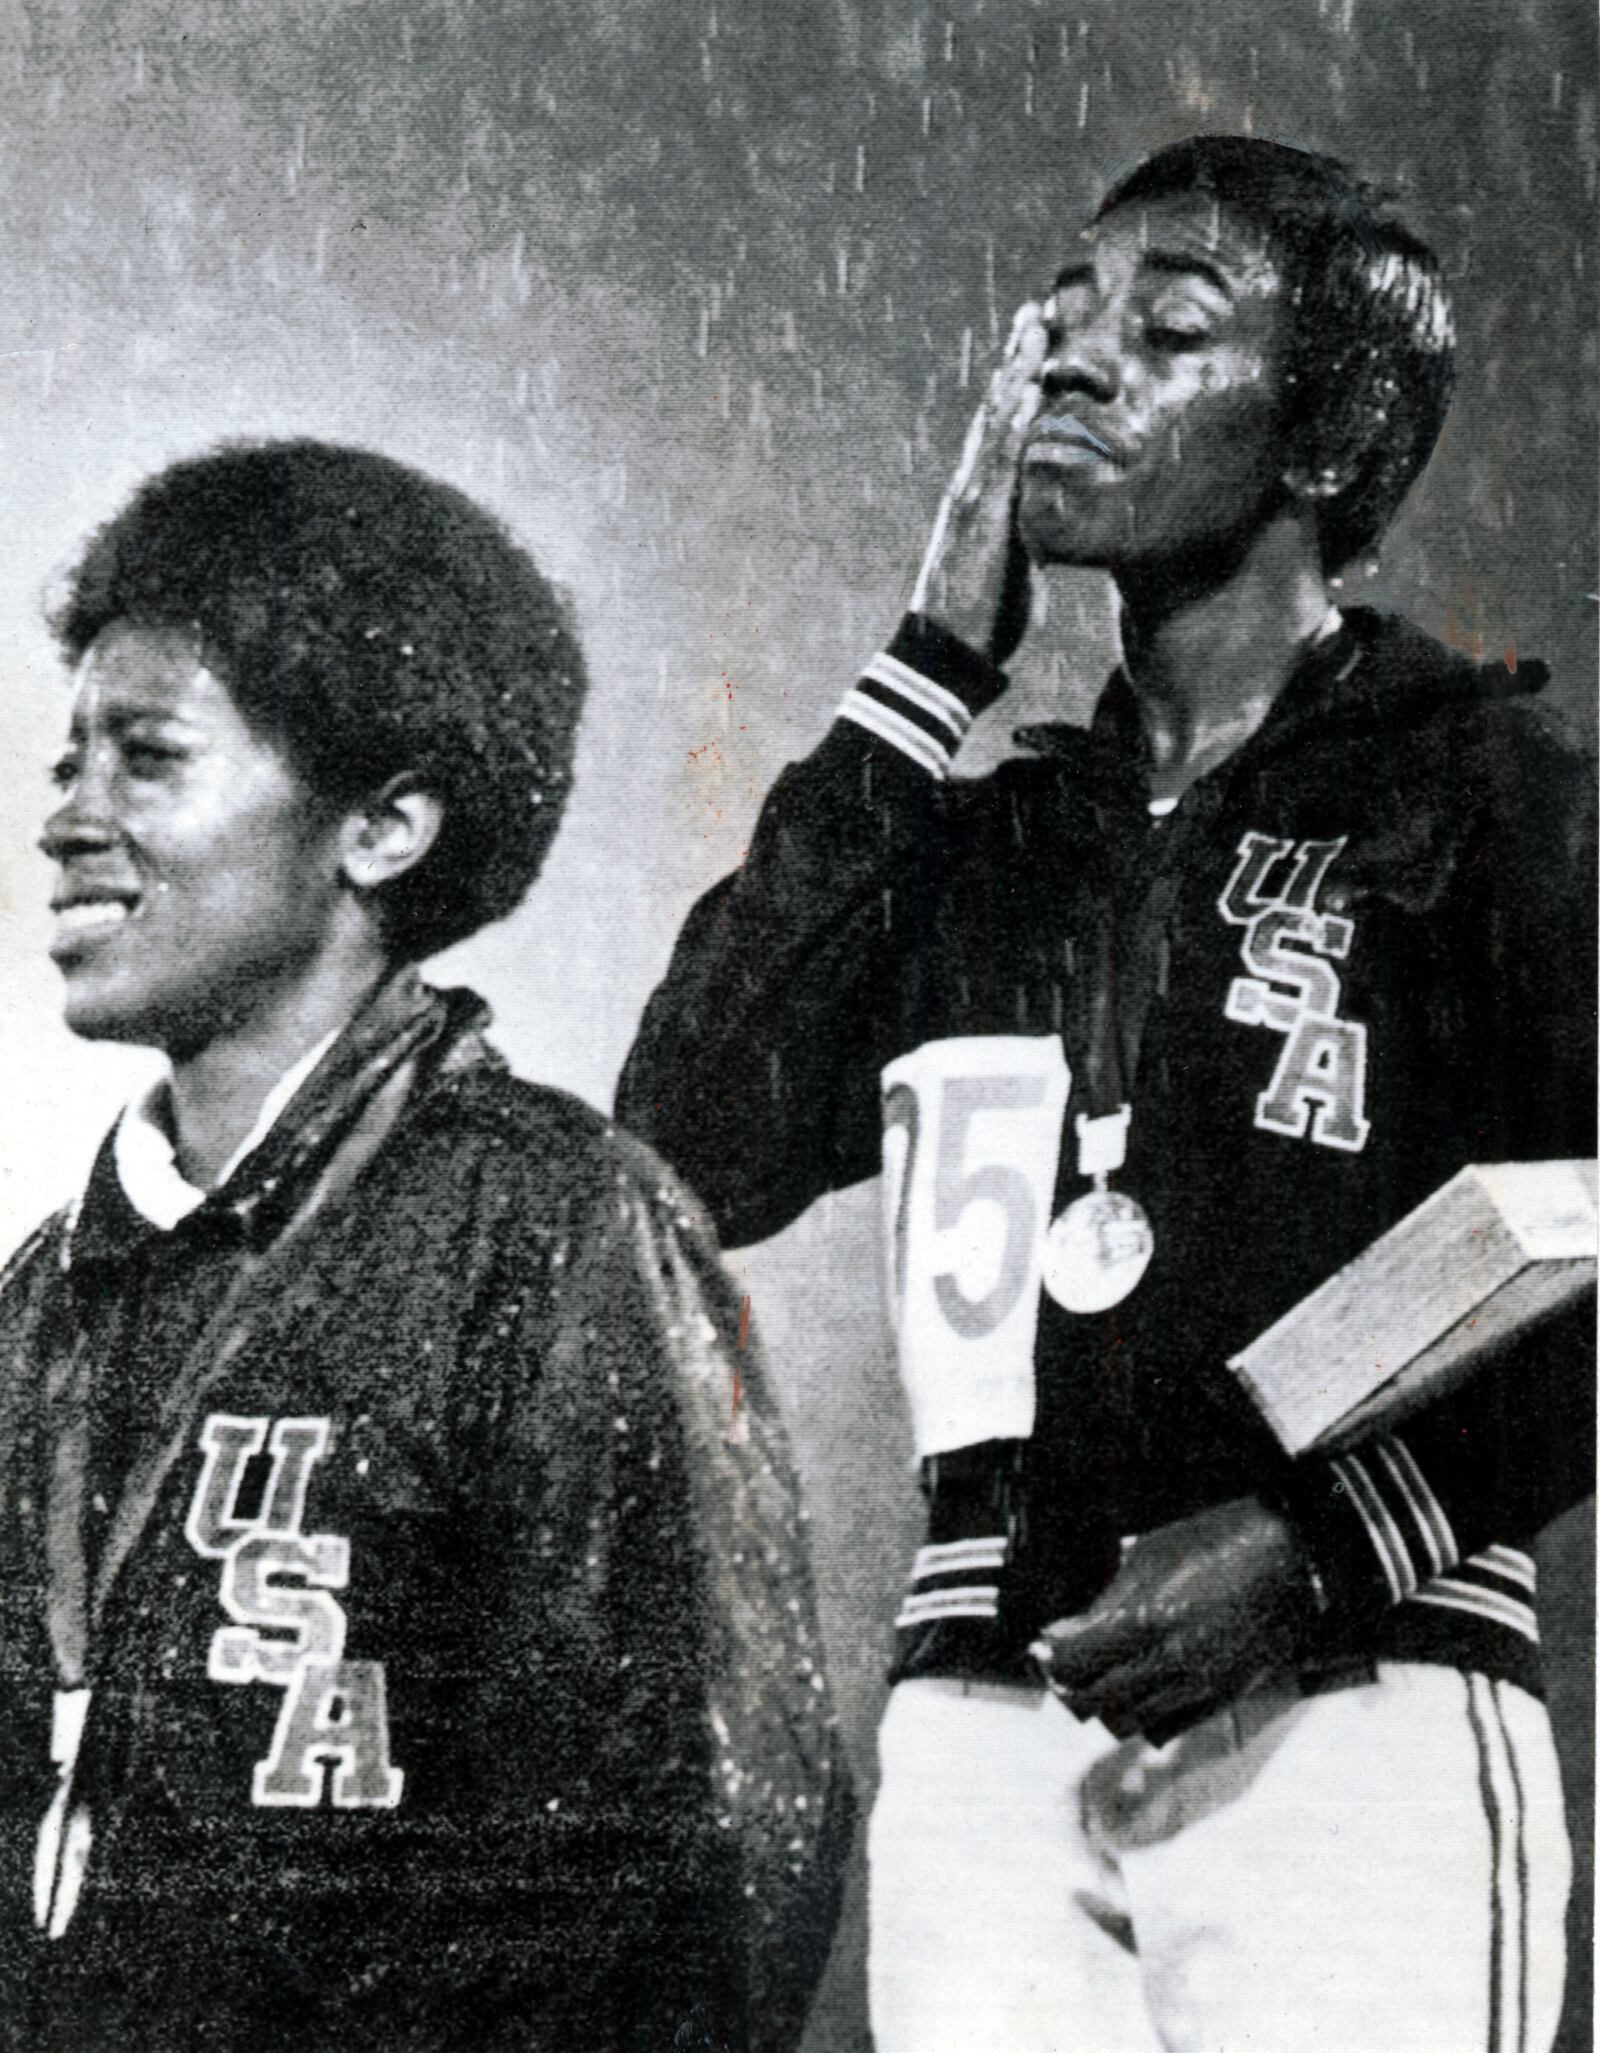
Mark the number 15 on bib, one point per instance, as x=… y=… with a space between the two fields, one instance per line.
x=971 y=1141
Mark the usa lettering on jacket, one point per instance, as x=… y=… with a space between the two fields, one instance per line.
x=1290 y=947
x=277 y=1585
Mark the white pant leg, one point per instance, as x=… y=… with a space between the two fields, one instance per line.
x=994 y=1927
x=1380 y=1869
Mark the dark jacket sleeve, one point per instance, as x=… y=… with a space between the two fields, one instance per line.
x=755 y=1070
x=1511 y=1448
x=694 y=1811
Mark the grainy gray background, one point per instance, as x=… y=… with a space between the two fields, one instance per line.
x=697 y=295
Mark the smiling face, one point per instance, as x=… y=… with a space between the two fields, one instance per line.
x=198 y=879
x=1158 y=440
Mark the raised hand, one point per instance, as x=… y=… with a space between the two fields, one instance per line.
x=975 y=576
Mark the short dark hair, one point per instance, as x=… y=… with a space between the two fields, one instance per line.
x=1369 y=359
x=369 y=621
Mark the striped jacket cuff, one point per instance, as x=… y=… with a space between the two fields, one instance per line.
x=956 y=1579
x=923 y=692
x=1376 y=1530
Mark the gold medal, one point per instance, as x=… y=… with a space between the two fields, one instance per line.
x=1100 y=1246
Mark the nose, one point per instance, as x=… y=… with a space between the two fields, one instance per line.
x=1083 y=357
x=82 y=823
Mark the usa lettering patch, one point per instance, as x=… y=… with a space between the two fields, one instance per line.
x=1289 y=947
x=288 y=1630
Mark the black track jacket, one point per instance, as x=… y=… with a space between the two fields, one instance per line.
x=430 y=1550
x=1358 y=956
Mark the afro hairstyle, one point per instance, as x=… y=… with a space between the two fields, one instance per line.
x=1368 y=365
x=369 y=621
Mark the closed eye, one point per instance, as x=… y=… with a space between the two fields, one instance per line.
x=150 y=754
x=1165 y=337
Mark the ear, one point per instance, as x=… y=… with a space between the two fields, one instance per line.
x=388 y=834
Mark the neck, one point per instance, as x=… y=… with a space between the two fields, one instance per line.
x=1206 y=662
x=218 y=1091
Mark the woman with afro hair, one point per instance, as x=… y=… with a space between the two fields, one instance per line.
x=405 y=1632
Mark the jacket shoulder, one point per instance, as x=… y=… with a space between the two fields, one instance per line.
x=1486 y=723
x=551 y=1150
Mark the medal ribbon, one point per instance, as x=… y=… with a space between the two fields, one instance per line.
x=1130 y=972
x=1099 y=1247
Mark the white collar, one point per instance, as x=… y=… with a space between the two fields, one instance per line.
x=147 y=1162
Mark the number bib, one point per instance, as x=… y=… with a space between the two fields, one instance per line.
x=971 y=1141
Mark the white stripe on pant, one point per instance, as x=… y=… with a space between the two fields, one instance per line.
x=1377 y=1869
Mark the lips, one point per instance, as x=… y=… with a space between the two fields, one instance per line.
x=1063 y=439
x=85 y=915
